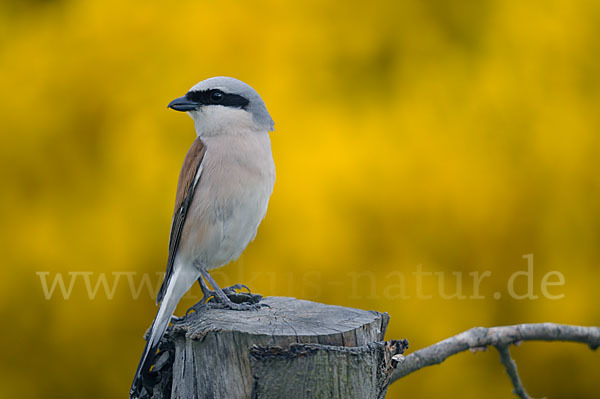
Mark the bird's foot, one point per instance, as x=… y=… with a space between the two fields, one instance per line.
x=229 y=299
x=234 y=288
x=195 y=308
x=229 y=304
x=238 y=297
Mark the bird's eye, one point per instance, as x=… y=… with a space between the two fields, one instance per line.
x=216 y=96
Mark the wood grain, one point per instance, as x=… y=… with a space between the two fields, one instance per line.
x=292 y=349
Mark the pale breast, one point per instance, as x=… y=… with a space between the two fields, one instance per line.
x=231 y=198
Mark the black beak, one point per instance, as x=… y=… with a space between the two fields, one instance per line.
x=183 y=104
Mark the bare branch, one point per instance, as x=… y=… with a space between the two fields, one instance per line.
x=500 y=337
x=511 y=370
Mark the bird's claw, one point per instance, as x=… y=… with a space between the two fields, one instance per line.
x=234 y=288
x=233 y=300
x=195 y=308
x=237 y=306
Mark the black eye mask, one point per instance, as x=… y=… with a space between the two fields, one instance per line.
x=217 y=97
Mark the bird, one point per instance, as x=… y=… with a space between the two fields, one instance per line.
x=223 y=191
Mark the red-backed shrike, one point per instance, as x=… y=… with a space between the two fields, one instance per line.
x=222 y=195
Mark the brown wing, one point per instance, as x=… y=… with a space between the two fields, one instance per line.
x=188 y=180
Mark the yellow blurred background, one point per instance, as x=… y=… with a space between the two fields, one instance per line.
x=441 y=136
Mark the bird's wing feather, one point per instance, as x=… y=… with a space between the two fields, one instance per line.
x=188 y=180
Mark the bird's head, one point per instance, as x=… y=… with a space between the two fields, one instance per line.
x=223 y=104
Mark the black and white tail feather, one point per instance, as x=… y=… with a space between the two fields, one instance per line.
x=179 y=277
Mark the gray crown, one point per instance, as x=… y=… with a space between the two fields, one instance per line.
x=255 y=106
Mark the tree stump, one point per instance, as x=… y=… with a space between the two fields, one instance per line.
x=291 y=349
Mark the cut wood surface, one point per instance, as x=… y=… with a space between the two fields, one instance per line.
x=292 y=348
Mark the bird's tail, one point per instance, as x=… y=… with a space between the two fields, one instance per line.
x=180 y=282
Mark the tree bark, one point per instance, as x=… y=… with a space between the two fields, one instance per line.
x=291 y=349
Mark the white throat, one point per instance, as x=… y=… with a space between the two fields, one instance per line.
x=214 y=120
